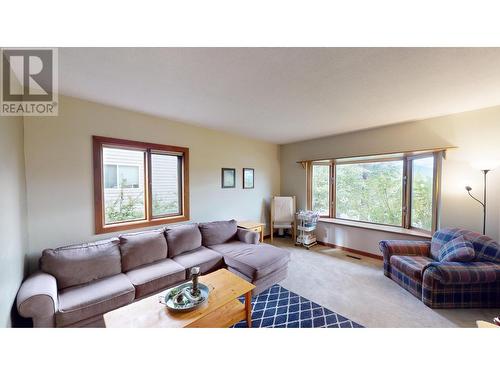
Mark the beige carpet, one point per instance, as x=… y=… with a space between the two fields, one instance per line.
x=359 y=290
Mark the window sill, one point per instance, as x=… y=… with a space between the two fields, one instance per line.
x=377 y=227
x=110 y=228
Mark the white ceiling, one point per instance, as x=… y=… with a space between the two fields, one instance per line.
x=284 y=95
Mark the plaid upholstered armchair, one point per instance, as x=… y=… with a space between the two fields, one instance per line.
x=456 y=269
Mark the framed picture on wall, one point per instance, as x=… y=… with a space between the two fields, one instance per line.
x=228 y=178
x=248 y=178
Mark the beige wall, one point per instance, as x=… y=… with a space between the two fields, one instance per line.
x=13 y=229
x=475 y=133
x=59 y=169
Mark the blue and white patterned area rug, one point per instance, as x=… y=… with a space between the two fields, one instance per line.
x=277 y=307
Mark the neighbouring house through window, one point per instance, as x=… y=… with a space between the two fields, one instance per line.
x=139 y=184
x=397 y=190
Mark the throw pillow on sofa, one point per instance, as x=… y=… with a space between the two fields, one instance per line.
x=457 y=250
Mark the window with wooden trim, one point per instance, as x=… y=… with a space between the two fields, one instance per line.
x=397 y=190
x=138 y=184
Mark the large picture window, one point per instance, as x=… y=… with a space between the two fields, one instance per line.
x=370 y=192
x=397 y=190
x=138 y=184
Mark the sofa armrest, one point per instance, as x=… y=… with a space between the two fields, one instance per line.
x=400 y=247
x=37 y=299
x=463 y=273
x=248 y=236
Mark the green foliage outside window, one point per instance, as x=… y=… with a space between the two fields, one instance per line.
x=130 y=206
x=421 y=197
x=164 y=206
x=370 y=192
x=321 y=189
x=373 y=192
x=125 y=208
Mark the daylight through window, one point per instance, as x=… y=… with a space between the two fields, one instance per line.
x=397 y=190
x=138 y=184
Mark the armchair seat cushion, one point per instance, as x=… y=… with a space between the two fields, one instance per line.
x=96 y=298
x=208 y=260
x=461 y=273
x=156 y=276
x=411 y=266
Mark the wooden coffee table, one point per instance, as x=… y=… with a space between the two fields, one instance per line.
x=221 y=310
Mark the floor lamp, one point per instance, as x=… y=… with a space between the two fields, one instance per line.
x=485 y=168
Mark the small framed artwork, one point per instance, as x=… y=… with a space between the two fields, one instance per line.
x=248 y=178
x=228 y=178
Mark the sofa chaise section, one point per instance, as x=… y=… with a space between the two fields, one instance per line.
x=261 y=264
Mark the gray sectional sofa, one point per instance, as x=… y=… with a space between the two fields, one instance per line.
x=77 y=284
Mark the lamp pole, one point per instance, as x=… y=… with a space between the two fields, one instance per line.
x=483 y=203
x=485 y=171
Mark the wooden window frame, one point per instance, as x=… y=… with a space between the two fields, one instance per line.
x=407 y=159
x=148 y=148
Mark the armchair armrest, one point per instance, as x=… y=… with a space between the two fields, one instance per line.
x=248 y=236
x=464 y=273
x=400 y=247
x=37 y=299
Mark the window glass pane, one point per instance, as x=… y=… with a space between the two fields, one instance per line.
x=165 y=180
x=421 y=193
x=129 y=176
x=321 y=189
x=371 y=192
x=110 y=177
x=125 y=202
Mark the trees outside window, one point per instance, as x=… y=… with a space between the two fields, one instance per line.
x=321 y=189
x=396 y=190
x=371 y=192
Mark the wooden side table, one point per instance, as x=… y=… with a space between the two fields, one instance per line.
x=253 y=226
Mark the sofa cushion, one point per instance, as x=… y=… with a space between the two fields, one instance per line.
x=153 y=277
x=254 y=261
x=208 y=260
x=183 y=238
x=265 y=282
x=142 y=248
x=93 y=299
x=487 y=250
x=80 y=264
x=457 y=250
x=218 y=232
x=232 y=246
x=411 y=266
